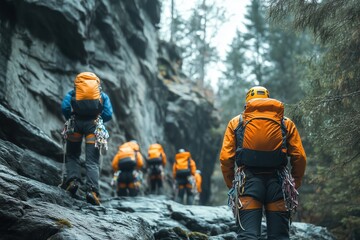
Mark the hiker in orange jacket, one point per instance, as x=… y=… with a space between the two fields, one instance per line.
x=253 y=159
x=184 y=169
x=127 y=162
x=156 y=162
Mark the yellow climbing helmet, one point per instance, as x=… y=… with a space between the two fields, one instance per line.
x=257 y=92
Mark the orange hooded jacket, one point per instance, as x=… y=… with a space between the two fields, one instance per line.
x=182 y=162
x=294 y=149
x=198 y=180
x=127 y=150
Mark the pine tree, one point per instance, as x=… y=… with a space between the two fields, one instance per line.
x=195 y=35
x=286 y=56
x=176 y=22
x=257 y=39
x=233 y=85
x=200 y=31
x=331 y=111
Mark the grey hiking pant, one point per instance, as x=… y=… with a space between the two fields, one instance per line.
x=265 y=189
x=184 y=186
x=155 y=177
x=83 y=128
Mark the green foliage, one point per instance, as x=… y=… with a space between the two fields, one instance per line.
x=257 y=38
x=266 y=55
x=183 y=234
x=330 y=113
x=245 y=63
x=199 y=52
x=286 y=55
x=180 y=232
x=197 y=236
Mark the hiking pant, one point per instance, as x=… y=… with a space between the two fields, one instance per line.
x=263 y=190
x=156 y=183
x=83 y=128
x=184 y=186
x=155 y=177
x=127 y=184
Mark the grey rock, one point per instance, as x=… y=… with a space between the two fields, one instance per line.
x=309 y=231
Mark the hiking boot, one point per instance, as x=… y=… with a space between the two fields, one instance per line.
x=72 y=186
x=93 y=198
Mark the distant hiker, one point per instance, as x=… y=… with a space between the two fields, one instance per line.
x=258 y=141
x=85 y=107
x=156 y=162
x=183 y=171
x=198 y=181
x=126 y=164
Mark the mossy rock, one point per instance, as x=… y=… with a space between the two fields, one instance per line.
x=180 y=232
x=63 y=223
x=197 y=236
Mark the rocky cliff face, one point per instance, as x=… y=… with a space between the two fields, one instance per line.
x=43 y=45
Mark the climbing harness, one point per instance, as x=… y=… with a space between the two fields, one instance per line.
x=68 y=129
x=289 y=191
x=101 y=135
x=237 y=190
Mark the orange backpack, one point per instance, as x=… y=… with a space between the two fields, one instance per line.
x=125 y=159
x=261 y=134
x=87 y=99
x=182 y=164
x=155 y=152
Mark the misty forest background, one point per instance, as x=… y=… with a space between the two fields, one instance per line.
x=307 y=53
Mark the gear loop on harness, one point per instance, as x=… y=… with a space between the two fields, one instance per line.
x=69 y=126
x=235 y=192
x=289 y=191
x=101 y=135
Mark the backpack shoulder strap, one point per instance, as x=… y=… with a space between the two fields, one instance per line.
x=136 y=160
x=283 y=133
x=239 y=132
x=241 y=120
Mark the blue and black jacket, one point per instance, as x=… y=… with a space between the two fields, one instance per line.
x=106 y=113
